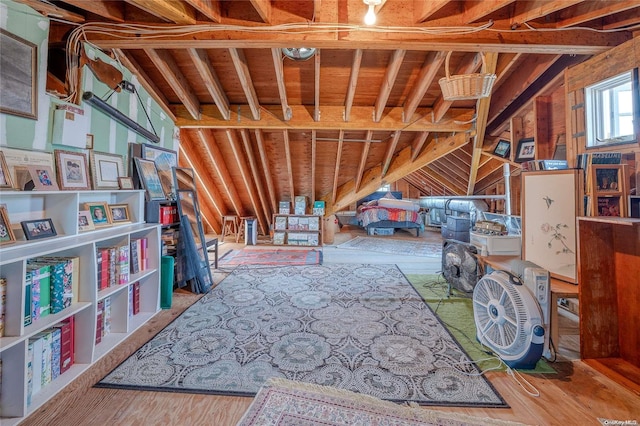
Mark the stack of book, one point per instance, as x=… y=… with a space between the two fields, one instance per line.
x=115 y=264
x=51 y=286
x=103 y=319
x=50 y=353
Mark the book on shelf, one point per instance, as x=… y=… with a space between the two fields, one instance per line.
x=28 y=307
x=99 y=321
x=66 y=329
x=55 y=353
x=40 y=292
x=106 y=316
x=29 y=371
x=134 y=251
x=136 y=298
x=37 y=346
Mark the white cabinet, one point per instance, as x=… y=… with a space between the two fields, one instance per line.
x=63 y=207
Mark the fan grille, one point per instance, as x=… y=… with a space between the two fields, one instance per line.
x=500 y=315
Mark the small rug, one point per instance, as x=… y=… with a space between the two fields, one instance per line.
x=283 y=402
x=358 y=327
x=385 y=245
x=456 y=313
x=247 y=256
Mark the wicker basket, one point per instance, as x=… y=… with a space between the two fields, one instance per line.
x=466 y=86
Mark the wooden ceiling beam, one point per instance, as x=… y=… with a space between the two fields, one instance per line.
x=336 y=173
x=444 y=181
x=353 y=82
x=482 y=108
x=391 y=149
x=400 y=166
x=430 y=67
x=287 y=156
x=110 y=10
x=363 y=159
x=529 y=10
x=206 y=185
x=628 y=19
x=209 y=8
x=241 y=162
x=173 y=11
x=220 y=167
x=255 y=173
x=211 y=81
x=576 y=41
x=422 y=10
x=475 y=11
x=590 y=10
x=263 y=7
x=387 y=83
x=242 y=69
x=146 y=82
x=417 y=144
x=168 y=67
x=276 y=55
x=264 y=161
x=452 y=120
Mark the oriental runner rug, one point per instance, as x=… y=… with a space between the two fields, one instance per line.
x=247 y=256
x=362 y=328
x=386 y=245
x=282 y=402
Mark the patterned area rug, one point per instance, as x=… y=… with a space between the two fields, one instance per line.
x=357 y=327
x=249 y=256
x=385 y=245
x=283 y=402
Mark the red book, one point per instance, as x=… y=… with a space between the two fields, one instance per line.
x=99 y=322
x=66 y=344
x=136 y=298
x=104 y=265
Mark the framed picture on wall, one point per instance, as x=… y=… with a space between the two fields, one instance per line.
x=550 y=206
x=18 y=76
x=526 y=150
x=502 y=149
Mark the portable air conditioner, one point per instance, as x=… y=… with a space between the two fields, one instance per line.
x=460 y=265
x=511 y=311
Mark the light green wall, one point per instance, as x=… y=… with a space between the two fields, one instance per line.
x=109 y=136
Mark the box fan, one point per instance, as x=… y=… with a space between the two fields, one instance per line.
x=511 y=311
x=460 y=265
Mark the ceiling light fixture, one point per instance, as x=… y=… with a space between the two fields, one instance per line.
x=299 y=53
x=370 y=16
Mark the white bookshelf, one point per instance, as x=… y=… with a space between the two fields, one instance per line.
x=63 y=207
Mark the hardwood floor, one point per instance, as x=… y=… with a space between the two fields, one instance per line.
x=576 y=395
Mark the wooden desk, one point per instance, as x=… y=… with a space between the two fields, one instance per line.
x=559 y=289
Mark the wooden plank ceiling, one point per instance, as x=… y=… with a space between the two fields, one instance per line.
x=366 y=109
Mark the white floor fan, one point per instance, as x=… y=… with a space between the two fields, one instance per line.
x=511 y=310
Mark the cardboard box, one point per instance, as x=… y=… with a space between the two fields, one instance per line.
x=284 y=207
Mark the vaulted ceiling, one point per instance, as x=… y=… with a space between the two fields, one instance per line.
x=366 y=109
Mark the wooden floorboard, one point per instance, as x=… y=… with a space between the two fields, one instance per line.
x=576 y=395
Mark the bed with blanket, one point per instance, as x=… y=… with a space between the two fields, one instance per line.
x=388 y=213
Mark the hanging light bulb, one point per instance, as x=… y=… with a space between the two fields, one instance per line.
x=370 y=17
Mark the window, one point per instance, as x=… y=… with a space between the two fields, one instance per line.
x=609 y=106
x=384 y=188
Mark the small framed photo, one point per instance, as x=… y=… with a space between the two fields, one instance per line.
x=6 y=233
x=526 y=150
x=89 y=141
x=125 y=182
x=502 y=149
x=5 y=174
x=149 y=179
x=106 y=169
x=43 y=178
x=99 y=213
x=72 y=169
x=39 y=228
x=119 y=213
x=85 y=222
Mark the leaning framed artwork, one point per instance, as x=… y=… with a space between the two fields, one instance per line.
x=18 y=76
x=550 y=205
x=6 y=233
x=106 y=169
x=502 y=149
x=165 y=160
x=72 y=169
x=526 y=150
x=43 y=178
x=40 y=228
x=149 y=179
